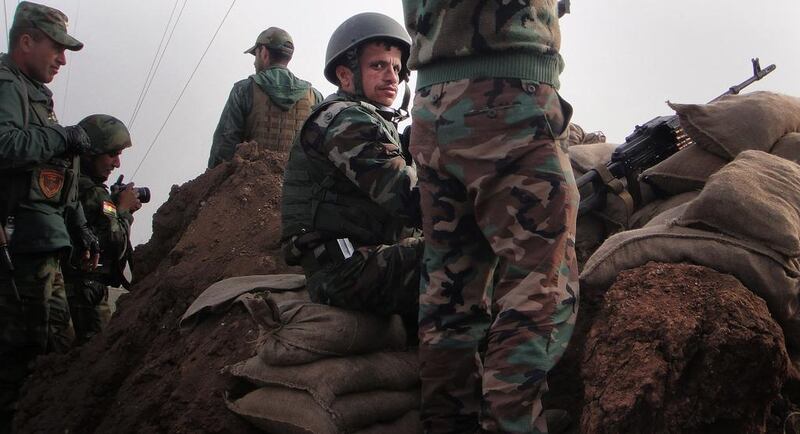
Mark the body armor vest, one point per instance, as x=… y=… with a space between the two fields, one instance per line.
x=321 y=199
x=50 y=184
x=272 y=127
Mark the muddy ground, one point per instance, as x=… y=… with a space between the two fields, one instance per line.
x=143 y=376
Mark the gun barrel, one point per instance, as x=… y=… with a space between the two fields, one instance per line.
x=758 y=74
x=6 y=254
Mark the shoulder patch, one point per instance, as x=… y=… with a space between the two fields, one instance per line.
x=109 y=208
x=327 y=112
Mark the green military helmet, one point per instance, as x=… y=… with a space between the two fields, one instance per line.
x=51 y=21
x=276 y=39
x=362 y=28
x=106 y=133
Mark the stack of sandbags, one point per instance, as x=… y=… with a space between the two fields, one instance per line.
x=595 y=227
x=324 y=370
x=745 y=222
x=762 y=121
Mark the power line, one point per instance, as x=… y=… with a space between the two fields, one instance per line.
x=156 y=58
x=5 y=18
x=69 y=70
x=184 y=89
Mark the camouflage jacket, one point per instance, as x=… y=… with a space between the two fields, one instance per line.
x=363 y=187
x=475 y=38
x=38 y=183
x=284 y=90
x=111 y=226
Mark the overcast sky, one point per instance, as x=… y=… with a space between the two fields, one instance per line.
x=624 y=59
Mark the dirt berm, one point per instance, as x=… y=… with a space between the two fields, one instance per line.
x=620 y=374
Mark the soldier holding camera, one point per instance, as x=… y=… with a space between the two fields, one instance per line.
x=109 y=213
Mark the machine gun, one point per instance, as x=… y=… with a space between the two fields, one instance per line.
x=648 y=145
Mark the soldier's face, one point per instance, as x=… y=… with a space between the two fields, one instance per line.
x=262 y=58
x=380 y=72
x=103 y=164
x=42 y=58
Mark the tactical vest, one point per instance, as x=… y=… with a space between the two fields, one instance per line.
x=37 y=189
x=324 y=200
x=52 y=183
x=272 y=127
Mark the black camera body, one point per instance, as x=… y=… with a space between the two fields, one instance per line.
x=142 y=193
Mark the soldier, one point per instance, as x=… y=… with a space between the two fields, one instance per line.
x=350 y=209
x=110 y=216
x=267 y=107
x=38 y=197
x=496 y=186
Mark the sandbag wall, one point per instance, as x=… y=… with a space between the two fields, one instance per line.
x=324 y=370
x=731 y=202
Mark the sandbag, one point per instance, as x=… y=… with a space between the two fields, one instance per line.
x=409 y=423
x=736 y=123
x=219 y=296
x=788 y=147
x=328 y=378
x=302 y=332
x=577 y=136
x=768 y=274
x=755 y=197
x=644 y=215
x=686 y=170
x=280 y=410
x=586 y=156
x=670 y=215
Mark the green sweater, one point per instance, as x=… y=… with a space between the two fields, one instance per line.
x=476 y=38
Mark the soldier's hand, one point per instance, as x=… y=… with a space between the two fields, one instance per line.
x=128 y=200
x=90 y=246
x=78 y=142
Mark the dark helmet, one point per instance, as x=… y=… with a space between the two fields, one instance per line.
x=361 y=28
x=106 y=134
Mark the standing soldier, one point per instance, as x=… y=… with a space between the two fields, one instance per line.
x=496 y=186
x=110 y=217
x=350 y=209
x=38 y=197
x=269 y=106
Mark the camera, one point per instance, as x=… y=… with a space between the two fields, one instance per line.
x=142 y=193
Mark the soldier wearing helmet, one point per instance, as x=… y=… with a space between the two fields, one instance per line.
x=269 y=106
x=350 y=210
x=499 y=201
x=110 y=216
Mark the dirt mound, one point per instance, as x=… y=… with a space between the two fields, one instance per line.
x=673 y=348
x=141 y=375
x=669 y=348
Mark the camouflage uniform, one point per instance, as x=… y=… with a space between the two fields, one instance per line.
x=347 y=178
x=38 y=189
x=87 y=291
x=500 y=284
x=268 y=107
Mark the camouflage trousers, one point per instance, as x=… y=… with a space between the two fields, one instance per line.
x=380 y=279
x=89 y=307
x=499 y=287
x=38 y=324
